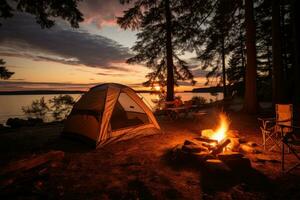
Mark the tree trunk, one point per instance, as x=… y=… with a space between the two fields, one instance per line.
x=169 y=53
x=224 y=68
x=278 y=84
x=242 y=47
x=296 y=66
x=250 y=101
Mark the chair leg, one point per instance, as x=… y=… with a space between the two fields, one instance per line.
x=263 y=138
x=296 y=155
x=282 y=157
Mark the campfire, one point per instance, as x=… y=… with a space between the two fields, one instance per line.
x=214 y=141
x=220 y=146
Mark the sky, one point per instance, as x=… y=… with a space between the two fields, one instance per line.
x=65 y=58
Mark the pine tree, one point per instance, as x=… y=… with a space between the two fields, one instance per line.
x=4 y=73
x=166 y=31
x=44 y=10
x=219 y=36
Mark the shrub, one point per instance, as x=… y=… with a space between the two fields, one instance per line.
x=37 y=109
x=198 y=100
x=61 y=106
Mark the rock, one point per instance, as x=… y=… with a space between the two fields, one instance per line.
x=203 y=155
x=216 y=165
x=193 y=148
x=248 y=149
x=230 y=155
x=18 y=123
x=252 y=144
x=239 y=164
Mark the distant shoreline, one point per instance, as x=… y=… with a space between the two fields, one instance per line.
x=45 y=92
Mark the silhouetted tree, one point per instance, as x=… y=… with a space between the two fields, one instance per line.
x=4 y=73
x=220 y=36
x=296 y=51
x=61 y=106
x=165 y=33
x=250 y=100
x=44 y=10
x=37 y=109
x=278 y=79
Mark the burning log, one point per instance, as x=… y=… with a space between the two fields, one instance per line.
x=219 y=148
x=207 y=140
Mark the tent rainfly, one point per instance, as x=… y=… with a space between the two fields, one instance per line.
x=110 y=112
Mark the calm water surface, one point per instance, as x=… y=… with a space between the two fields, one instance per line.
x=11 y=105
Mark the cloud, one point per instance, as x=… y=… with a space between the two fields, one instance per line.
x=21 y=36
x=101 y=12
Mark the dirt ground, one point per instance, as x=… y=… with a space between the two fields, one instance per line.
x=139 y=168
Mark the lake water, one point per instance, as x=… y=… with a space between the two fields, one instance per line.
x=11 y=105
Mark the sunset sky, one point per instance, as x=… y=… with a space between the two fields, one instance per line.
x=66 y=58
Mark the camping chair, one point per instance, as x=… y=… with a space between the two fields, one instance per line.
x=270 y=127
x=291 y=140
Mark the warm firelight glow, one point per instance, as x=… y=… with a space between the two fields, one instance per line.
x=157 y=88
x=223 y=127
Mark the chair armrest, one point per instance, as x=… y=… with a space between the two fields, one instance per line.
x=271 y=119
x=286 y=120
x=267 y=123
x=286 y=126
x=291 y=133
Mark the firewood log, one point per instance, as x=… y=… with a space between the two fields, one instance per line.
x=30 y=163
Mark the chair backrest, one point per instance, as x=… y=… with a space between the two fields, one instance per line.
x=284 y=114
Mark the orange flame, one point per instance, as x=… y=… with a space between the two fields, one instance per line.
x=220 y=133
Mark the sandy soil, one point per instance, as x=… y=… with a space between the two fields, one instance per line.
x=139 y=168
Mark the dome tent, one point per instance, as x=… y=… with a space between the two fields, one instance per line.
x=110 y=112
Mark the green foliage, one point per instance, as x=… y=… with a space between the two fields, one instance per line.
x=4 y=73
x=59 y=107
x=45 y=11
x=37 y=109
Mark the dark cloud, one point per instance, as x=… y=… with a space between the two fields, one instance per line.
x=101 y=12
x=21 y=36
x=198 y=72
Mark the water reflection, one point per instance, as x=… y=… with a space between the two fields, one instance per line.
x=11 y=105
